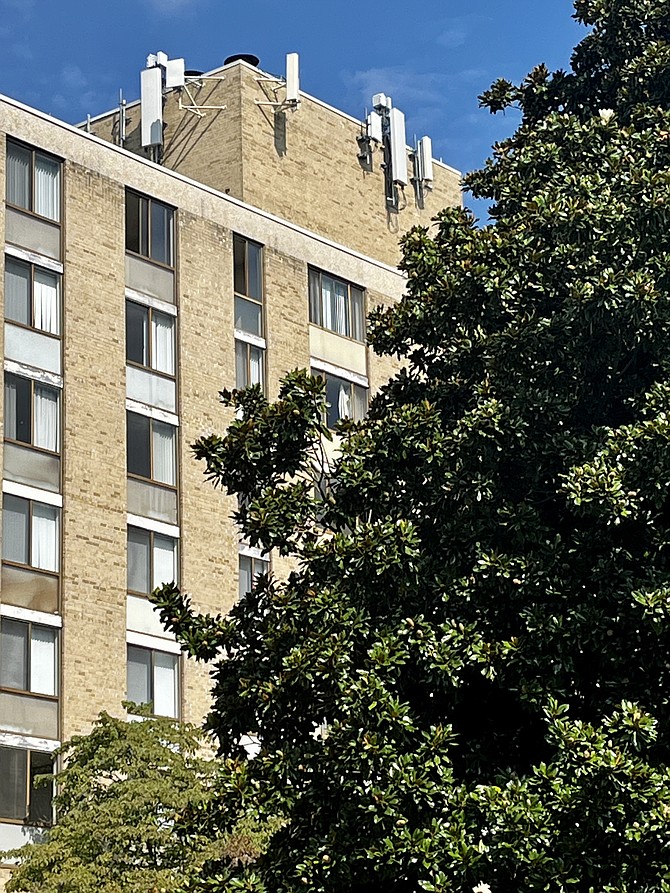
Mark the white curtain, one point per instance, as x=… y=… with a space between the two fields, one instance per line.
x=45 y=537
x=15 y=529
x=164 y=453
x=138 y=675
x=162 y=334
x=46 y=301
x=165 y=684
x=17 y=279
x=165 y=560
x=47 y=188
x=46 y=419
x=138 y=560
x=10 y=409
x=341 y=311
x=327 y=300
x=18 y=176
x=344 y=401
x=256 y=366
x=43 y=660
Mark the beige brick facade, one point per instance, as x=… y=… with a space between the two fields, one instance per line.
x=300 y=199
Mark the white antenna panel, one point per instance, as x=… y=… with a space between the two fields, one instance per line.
x=374 y=122
x=292 y=78
x=381 y=101
x=174 y=73
x=152 y=60
x=424 y=153
x=151 y=106
x=398 y=147
x=161 y=59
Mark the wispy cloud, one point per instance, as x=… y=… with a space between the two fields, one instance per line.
x=454 y=31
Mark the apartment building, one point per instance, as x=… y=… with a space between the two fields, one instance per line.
x=145 y=268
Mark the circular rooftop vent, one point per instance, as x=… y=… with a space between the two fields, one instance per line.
x=249 y=58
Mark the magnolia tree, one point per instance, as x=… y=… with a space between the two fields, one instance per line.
x=465 y=682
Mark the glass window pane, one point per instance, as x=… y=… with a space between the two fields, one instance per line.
x=47 y=418
x=13 y=783
x=139 y=675
x=137 y=333
x=133 y=222
x=165 y=560
x=161 y=233
x=314 y=297
x=241 y=377
x=43 y=660
x=240 y=265
x=18 y=175
x=254 y=271
x=17 y=292
x=164 y=448
x=165 y=684
x=46 y=302
x=357 y=314
x=15 y=521
x=45 y=542
x=14 y=654
x=47 y=187
x=40 y=811
x=341 y=308
x=18 y=408
x=162 y=343
x=256 y=365
x=245 y=575
x=248 y=316
x=139 y=544
x=333 y=385
x=360 y=402
x=139 y=445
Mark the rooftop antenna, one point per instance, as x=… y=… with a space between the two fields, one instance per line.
x=122 y=119
x=290 y=84
x=423 y=168
x=385 y=126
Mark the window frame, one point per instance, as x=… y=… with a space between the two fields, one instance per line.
x=34 y=151
x=59 y=535
x=140 y=477
x=28 y=691
x=315 y=301
x=152 y=534
x=324 y=376
x=150 y=310
x=30 y=444
x=248 y=346
x=254 y=573
x=29 y=788
x=32 y=267
x=150 y=201
x=152 y=678
x=243 y=293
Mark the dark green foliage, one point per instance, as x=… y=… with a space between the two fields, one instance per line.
x=480 y=605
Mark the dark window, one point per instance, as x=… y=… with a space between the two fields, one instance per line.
x=33 y=181
x=32 y=413
x=27 y=657
x=20 y=798
x=151 y=449
x=150 y=338
x=345 y=399
x=32 y=296
x=149 y=228
x=30 y=533
x=248 y=284
x=336 y=305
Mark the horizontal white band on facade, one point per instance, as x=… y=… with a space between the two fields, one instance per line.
x=161 y=415
x=35 y=493
x=33 y=258
x=30 y=616
x=142 y=640
x=27 y=742
x=155 y=526
x=256 y=340
x=150 y=301
x=253 y=552
x=347 y=374
x=50 y=378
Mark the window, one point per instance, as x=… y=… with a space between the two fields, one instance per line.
x=153 y=678
x=250 y=568
x=149 y=228
x=336 y=305
x=248 y=284
x=152 y=560
x=30 y=533
x=32 y=413
x=33 y=181
x=27 y=657
x=249 y=365
x=20 y=798
x=150 y=338
x=32 y=296
x=151 y=449
x=345 y=399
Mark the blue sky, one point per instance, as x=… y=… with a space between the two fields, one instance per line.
x=70 y=57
